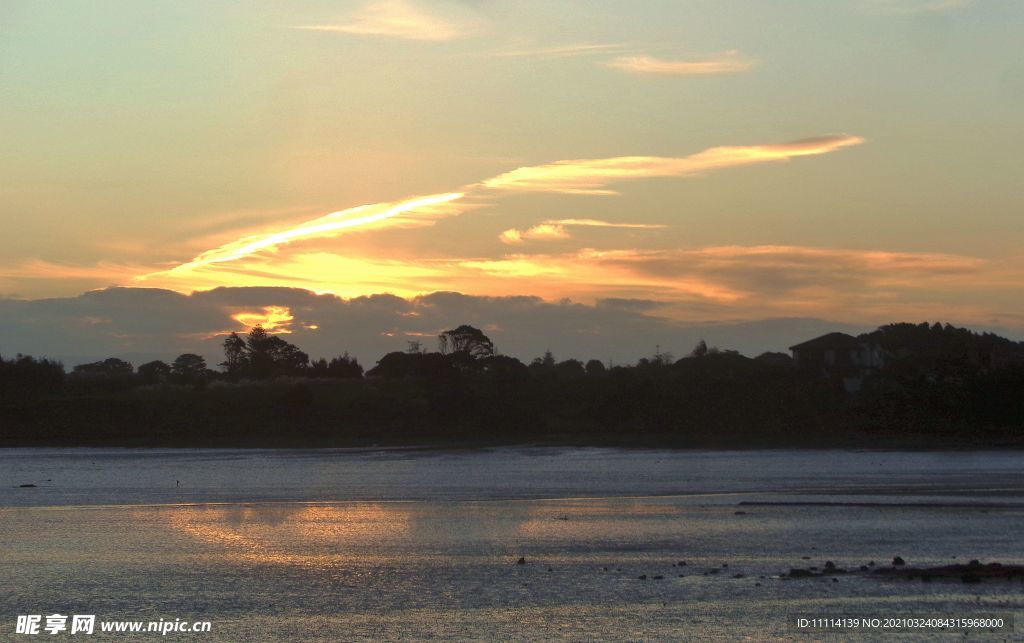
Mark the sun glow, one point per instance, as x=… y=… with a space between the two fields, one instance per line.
x=271 y=318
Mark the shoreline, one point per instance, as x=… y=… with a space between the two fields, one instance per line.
x=915 y=444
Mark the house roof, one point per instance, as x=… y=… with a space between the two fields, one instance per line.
x=825 y=342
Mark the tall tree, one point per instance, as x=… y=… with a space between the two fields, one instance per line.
x=262 y=355
x=154 y=372
x=466 y=339
x=188 y=367
x=234 y=355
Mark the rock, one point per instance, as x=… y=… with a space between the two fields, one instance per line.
x=642 y=576
x=975 y=563
x=835 y=580
x=800 y=573
x=897 y=561
x=829 y=564
x=26 y=486
x=682 y=563
x=658 y=577
x=550 y=570
x=871 y=563
x=740 y=513
x=737 y=575
x=967 y=573
x=604 y=569
x=521 y=561
x=864 y=568
x=725 y=564
x=805 y=557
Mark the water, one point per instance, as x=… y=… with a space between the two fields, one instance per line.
x=417 y=544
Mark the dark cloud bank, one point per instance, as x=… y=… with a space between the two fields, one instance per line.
x=142 y=323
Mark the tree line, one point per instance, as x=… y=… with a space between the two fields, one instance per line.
x=941 y=385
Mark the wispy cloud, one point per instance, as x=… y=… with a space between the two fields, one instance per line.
x=397 y=19
x=593 y=176
x=727 y=62
x=556 y=229
x=544 y=231
x=257 y=260
x=425 y=207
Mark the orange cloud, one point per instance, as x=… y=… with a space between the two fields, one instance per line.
x=728 y=62
x=424 y=208
x=593 y=176
x=744 y=279
x=396 y=19
x=543 y=231
x=272 y=318
x=556 y=229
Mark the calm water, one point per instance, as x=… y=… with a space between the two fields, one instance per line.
x=342 y=545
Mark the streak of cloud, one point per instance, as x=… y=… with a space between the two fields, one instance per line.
x=396 y=19
x=556 y=229
x=593 y=176
x=358 y=217
x=542 y=231
x=586 y=176
x=729 y=62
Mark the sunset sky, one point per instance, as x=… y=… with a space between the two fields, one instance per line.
x=697 y=161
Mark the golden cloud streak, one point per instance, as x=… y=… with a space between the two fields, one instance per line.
x=252 y=260
x=395 y=19
x=592 y=176
x=360 y=216
x=728 y=62
x=556 y=229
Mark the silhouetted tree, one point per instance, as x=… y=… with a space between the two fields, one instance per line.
x=570 y=368
x=465 y=339
x=188 y=368
x=108 y=368
x=262 y=355
x=235 y=359
x=25 y=376
x=154 y=372
x=595 y=367
x=342 y=366
x=547 y=361
x=111 y=374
